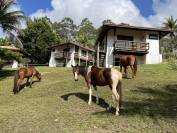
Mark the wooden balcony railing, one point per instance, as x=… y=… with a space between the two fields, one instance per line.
x=84 y=57
x=62 y=54
x=131 y=46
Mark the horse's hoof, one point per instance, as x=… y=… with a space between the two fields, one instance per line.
x=108 y=108
x=117 y=113
x=89 y=103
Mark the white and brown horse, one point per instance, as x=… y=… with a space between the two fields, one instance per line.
x=101 y=77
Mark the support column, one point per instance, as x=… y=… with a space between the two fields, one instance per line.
x=86 y=57
x=98 y=54
x=79 y=61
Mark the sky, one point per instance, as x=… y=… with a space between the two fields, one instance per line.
x=145 y=6
x=149 y=13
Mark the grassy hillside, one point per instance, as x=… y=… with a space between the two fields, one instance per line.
x=59 y=104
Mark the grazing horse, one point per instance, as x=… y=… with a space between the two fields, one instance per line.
x=101 y=77
x=22 y=73
x=128 y=60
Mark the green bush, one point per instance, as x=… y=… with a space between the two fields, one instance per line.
x=172 y=63
x=170 y=55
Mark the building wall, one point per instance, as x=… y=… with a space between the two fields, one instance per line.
x=152 y=57
x=137 y=35
x=71 y=61
x=110 y=48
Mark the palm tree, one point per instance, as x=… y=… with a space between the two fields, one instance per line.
x=10 y=20
x=171 y=24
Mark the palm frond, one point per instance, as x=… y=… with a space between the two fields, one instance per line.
x=10 y=20
x=15 y=39
x=6 y=4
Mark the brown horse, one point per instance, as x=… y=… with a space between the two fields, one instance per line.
x=128 y=60
x=22 y=73
x=101 y=77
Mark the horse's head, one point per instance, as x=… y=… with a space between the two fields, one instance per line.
x=38 y=75
x=75 y=72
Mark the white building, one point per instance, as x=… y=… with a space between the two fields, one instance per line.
x=114 y=40
x=71 y=53
x=14 y=49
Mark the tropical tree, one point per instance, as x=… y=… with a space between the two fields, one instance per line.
x=66 y=29
x=9 y=23
x=37 y=37
x=11 y=19
x=86 y=32
x=171 y=24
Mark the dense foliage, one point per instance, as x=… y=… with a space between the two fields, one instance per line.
x=38 y=36
x=41 y=33
x=84 y=33
x=169 y=43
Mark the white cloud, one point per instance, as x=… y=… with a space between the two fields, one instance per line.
x=163 y=9
x=96 y=10
x=116 y=10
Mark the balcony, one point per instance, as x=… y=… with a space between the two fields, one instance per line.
x=84 y=57
x=62 y=54
x=131 y=47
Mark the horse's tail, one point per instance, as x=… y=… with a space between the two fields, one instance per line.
x=16 y=77
x=135 y=65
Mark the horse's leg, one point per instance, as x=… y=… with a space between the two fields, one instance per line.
x=18 y=85
x=116 y=95
x=90 y=94
x=125 y=71
x=133 y=71
x=111 y=103
x=26 y=82
x=97 y=98
x=31 y=81
x=121 y=68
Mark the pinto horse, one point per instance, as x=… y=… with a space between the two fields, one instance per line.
x=101 y=77
x=128 y=60
x=22 y=73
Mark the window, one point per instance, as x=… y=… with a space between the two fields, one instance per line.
x=126 y=38
x=83 y=53
x=153 y=36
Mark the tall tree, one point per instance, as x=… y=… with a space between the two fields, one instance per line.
x=66 y=29
x=37 y=37
x=86 y=32
x=171 y=24
x=10 y=19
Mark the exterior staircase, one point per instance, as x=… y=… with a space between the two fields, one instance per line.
x=102 y=56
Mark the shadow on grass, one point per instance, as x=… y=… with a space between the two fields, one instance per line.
x=6 y=73
x=158 y=102
x=85 y=97
x=161 y=102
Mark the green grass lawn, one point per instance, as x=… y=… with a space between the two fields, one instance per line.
x=59 y=104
